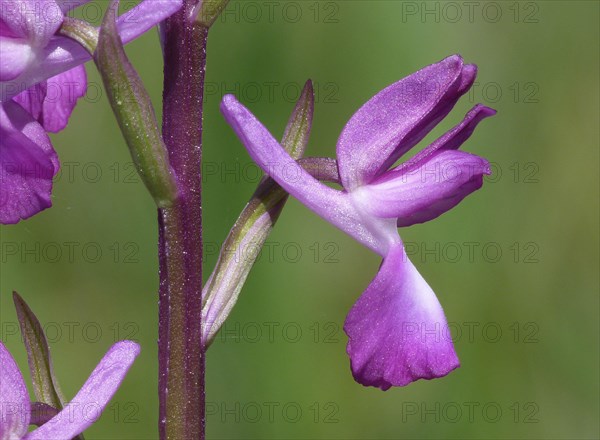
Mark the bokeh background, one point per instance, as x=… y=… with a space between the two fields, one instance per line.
x=515 y=265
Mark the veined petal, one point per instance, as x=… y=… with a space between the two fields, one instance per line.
x=34 y=20
x=14 y=399
x=334 y=206
x=95 y=394
x=62 y=53
x=397 y=329
x=27 y=165
x=426 y=191
x=398 y=117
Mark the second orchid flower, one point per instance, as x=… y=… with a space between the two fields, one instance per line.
x=397 y=327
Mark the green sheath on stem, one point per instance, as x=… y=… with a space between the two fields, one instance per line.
x=134 y=112
x=208 y=11
x=239 y=251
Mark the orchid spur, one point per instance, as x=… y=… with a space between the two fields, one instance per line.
x=41 y=78
x=75 y=417
x=397 y=328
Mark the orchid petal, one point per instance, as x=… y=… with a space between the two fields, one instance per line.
x=27 y=164
x=62 y=53
x=34 y=20
x=15 y=57
x=428 y=190
x=334 y=206
x=5 y=31
x=14 y=399
x=32 y=100
x=398 y=117
x=145 y=16
x=397 y=329
x=452 y=140
x=63 y=92
x=95 y=394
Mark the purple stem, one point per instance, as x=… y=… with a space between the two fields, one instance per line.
x=181 y=357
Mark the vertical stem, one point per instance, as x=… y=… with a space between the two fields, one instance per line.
x=181 y=356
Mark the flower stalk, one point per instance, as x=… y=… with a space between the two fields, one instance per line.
x=181 y=356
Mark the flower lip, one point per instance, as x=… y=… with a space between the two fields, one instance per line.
x=397 y=331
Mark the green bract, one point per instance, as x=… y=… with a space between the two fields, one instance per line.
x=134 y=112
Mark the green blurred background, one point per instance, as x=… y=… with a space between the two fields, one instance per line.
x=523 y=305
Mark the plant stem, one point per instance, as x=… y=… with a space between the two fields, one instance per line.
x=181 y=356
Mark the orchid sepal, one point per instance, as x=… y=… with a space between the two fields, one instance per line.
x=73 y=419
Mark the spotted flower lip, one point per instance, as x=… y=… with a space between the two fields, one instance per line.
x=74 y=418
x=397 y=329
x=41 y=78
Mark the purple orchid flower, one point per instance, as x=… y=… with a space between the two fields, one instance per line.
x=75 y=417
x=397 y=329
x=31 y=51
x=41 y=78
